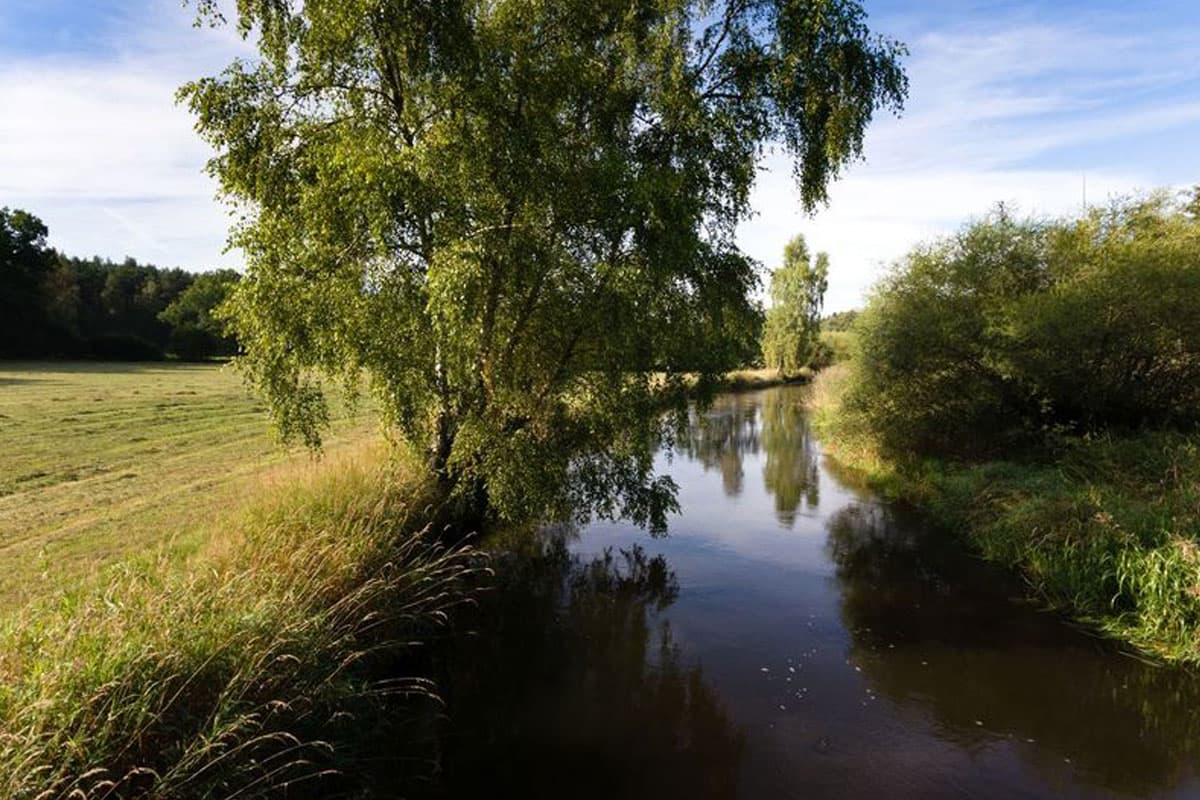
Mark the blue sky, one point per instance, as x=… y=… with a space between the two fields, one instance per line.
x=1009 y=101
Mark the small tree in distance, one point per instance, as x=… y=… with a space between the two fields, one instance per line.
x=197 y=331
x=793 y=323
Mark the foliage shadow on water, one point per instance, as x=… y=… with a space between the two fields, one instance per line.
x=575 y=685
x=940 y=633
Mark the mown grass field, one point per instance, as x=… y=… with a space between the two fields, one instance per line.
x=102 y=460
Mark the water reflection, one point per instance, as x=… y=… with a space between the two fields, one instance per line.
x=935 y=632
x=721 y=436
x=861 y=656
x=576 y=687
x=790 y=470
x=742 y=425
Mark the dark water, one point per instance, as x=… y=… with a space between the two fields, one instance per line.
x=792 y=637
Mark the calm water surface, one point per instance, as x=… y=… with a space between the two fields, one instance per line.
x=792 y=637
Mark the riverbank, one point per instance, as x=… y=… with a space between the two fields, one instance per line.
x=749 y=380
x=1108 y=531
x=225 y=635
x=241 y=671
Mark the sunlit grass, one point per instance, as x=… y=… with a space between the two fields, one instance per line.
x=231 y=676
x=100 y=460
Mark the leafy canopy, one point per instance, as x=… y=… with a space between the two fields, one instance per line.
x=793 y=324
x=197 y=331
x=517 y=216
x=1013 y=332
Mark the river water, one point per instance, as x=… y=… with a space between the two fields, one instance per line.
x=793 y=637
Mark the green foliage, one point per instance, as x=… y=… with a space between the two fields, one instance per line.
x=25 y=261
x=52 y=305
x=1116 y=337
x=196 y=330
x=840 y=321
x=835 y=347
x=1014 y=332
x=790 y=333
x=1108 y=532
x=1192 y=203
x=1070 y=349
x=518 y=217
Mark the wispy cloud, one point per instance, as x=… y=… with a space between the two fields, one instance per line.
x=93 y=142
x=1012 y=102
x=1008 y=108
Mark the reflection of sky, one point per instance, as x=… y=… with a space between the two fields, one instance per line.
x=938 y=702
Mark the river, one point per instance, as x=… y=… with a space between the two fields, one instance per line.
x=793 y=637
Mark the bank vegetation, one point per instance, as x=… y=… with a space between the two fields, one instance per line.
x=1035 y=385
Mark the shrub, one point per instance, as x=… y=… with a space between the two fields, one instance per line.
x=834 y=347
x=1013 y=331
x=927 y=376
x=1115 y=340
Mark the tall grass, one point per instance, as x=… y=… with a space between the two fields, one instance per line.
x=241 y=675
x=1108 y=530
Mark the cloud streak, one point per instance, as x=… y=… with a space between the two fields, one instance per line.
x=1004 y=109
x=1014 y=105
x=94 y=144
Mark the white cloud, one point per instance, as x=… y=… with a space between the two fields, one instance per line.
x=874 y=219
x=993 y=112
x=95 y=145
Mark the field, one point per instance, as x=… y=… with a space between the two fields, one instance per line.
x=101 y=460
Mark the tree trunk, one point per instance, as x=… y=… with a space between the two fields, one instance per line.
x=463 y=501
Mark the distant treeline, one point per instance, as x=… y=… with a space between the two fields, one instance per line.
x=57 y=306
x=839 y=320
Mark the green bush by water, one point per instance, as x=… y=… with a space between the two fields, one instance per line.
x=1108 y=531
x=1035 y=386
x=1014 y=333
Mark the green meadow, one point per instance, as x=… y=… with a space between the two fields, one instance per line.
x=103 y=460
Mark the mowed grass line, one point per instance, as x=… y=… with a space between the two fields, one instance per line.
x=101 y=460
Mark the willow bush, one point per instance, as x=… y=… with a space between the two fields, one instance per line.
x=1012 y=333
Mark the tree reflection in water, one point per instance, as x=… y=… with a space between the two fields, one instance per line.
x=575 y=688
x=721 y=436
x=773 y=422
x=791 y=472
x=934 y=630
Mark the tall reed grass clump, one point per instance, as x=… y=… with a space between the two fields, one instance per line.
x=255 y=669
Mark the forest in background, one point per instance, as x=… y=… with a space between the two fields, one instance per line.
x=57 y=306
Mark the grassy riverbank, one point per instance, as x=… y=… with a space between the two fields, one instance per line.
x=188 y=609
x=744 y=380
x=235 y=674
x=1107 y=528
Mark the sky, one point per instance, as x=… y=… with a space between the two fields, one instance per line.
x=1020 y=102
